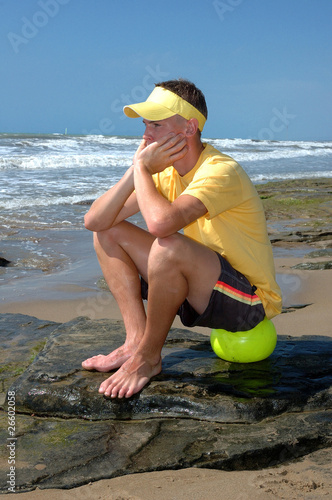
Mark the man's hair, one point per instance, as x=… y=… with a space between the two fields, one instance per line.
x=188 y=91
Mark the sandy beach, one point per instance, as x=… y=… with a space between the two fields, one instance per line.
x=307 y=311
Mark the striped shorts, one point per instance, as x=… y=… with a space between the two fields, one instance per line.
x=233 y=304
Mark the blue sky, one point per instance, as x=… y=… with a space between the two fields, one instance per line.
x=263 y=65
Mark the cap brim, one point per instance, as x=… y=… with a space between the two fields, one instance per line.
x=148 y=110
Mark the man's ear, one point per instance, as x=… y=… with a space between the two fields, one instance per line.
x=192 y=127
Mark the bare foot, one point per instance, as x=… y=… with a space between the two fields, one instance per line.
x=133 y=375
x=110 y=362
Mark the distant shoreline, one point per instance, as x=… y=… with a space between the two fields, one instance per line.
x=126 y=136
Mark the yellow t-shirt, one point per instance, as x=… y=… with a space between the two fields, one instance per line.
x=234 y=225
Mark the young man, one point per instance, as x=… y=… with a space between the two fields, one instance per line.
x=219 y=273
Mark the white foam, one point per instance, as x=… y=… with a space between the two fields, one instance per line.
x=261 y=178
x=65 y=161
x=248 y=150
x=47 y=201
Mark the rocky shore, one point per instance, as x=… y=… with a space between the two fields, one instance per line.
x=202 y=420
x=200 y=412
x=299 y=212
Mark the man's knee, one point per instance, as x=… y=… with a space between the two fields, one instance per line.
x=166 y=251
x=108 y=236
x=100 y=238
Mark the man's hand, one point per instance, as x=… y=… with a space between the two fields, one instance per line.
x=140 y=148
x=161 y=154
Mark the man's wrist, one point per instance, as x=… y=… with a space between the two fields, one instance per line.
x=140 y=166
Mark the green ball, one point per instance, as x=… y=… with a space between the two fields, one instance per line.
x=245 y=347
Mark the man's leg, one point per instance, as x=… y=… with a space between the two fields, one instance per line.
x=178 y=268
x=123 y=255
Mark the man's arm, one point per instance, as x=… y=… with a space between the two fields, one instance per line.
x=115 y=205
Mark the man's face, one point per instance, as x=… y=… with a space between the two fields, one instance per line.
x=155 y=130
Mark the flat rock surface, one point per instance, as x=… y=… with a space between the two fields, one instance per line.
x=199 y=412
x=56 y=453
x=22 y=338
x=194 y=382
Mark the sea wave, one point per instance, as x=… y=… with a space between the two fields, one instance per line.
x=248 y=150
x=53 y=170
x=260 y=178
x=42 y=201
x=121 y=155
x=234 y=143
x=120 y=159
x=277 y=154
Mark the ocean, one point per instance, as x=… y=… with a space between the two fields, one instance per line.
x=47 y=182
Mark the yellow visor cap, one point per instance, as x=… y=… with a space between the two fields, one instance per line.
x=162 y=104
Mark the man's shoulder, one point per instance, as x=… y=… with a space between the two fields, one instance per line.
x=213 y=158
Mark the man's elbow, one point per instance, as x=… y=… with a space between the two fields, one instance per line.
x=159 y=230
x=90 y=222
x=87 y=223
